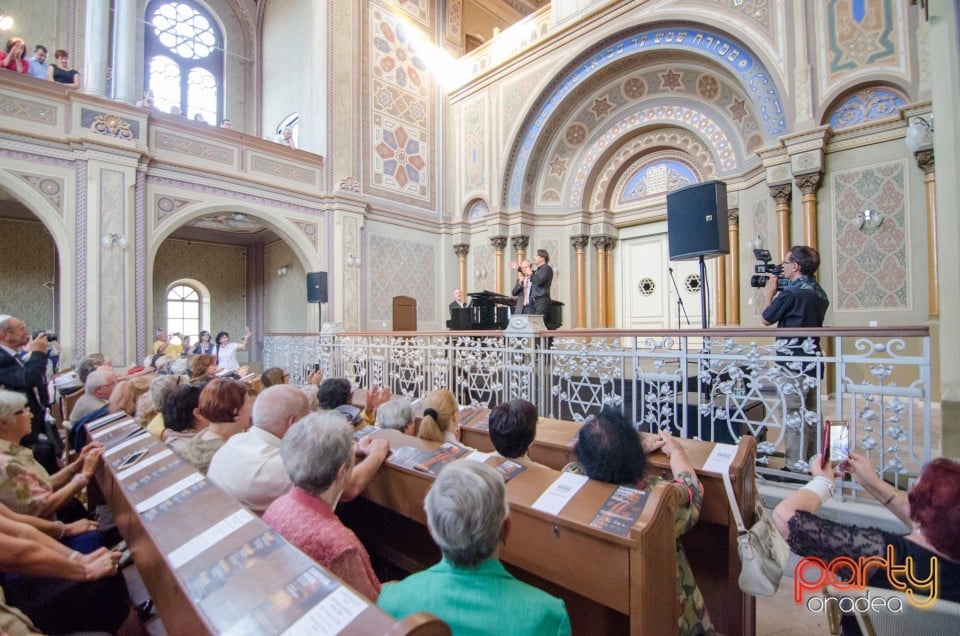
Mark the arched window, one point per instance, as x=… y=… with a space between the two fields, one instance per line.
x=183 y=52
x=183 y=311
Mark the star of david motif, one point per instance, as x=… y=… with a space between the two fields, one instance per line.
x=558 y=166
x=738 y=110
x=670 y=80
x=601 y=107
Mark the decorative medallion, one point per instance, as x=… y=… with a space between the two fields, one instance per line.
x=112 y=126
x=708 y=87
x=646 y=286
x=575 y=134
x=692 y=283
x=634 y=88
x=558 y=166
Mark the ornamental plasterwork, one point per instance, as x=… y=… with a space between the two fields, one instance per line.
x=50 y=188
x=308 y=229
x=194 y=148
x=265 y=165
x=28 y=110
x=112 y=126
x=687 y=143
x=165 y=206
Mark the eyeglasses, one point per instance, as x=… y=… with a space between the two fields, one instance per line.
x=20 y=412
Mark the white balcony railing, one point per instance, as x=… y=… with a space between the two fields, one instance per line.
x=709 y=384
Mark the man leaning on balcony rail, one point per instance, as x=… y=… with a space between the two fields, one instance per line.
x=800 y=303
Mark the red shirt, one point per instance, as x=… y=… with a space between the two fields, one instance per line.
x=11 y=64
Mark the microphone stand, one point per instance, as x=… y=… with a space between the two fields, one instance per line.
x=680 y=308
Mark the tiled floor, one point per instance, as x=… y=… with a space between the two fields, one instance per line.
x=781 y=616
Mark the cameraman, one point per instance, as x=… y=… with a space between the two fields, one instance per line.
x=801 y=303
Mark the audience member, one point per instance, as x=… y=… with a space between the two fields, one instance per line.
x=227 y=351
x=286 y=137
x=318 y=455
x=204 y=344
x=396 y=414
x=274 y=376
x=163 y=344
x=226 y=123
x=203 y=364
x=249 y=466
x=61 y=71
x=61 y=591
x=513 y=425
x=609 y=449
x=226 y=405
x=441 y=417
x=38 y=63
x=148 y=99
x=149 y=412
x=12 y=58
x=929 y=510
x=335 y=394
x=96 y=393
x=27 y=487
x=199 y=118
x=175 y=110
x=469 y=589
x=181 y=416
x=28 y=378
x=90 y=363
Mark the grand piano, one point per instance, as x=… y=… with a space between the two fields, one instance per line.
x=489 y=310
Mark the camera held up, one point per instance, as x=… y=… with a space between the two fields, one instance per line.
x=764 y=269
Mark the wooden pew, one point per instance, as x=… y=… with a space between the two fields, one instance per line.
x=611 y=584
x=244 y=578
x=711 y=545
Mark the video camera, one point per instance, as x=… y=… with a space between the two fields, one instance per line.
x=764 y=269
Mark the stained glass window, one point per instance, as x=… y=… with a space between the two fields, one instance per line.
x=184 y=59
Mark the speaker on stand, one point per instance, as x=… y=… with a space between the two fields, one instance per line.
x=697 y=229
x=317 y=293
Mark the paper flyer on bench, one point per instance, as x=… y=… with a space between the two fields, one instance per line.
x=620 y=511
x=559 y=494
x=209 y=537
x=720 y=458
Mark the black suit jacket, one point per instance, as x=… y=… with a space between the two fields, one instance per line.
x=518 y=292
x=540 y=289
x=30 y=379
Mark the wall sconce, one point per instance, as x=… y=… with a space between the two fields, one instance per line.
x=353 y=261
x=283 y=270
x=114 y=238
x=868 y=220
x=756 y=242
x=6 y=21
x=480 y=273
x=919 y=134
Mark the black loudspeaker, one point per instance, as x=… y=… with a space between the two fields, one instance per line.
x=316 y=287
x=697 y=221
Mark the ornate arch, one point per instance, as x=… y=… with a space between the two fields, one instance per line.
x=600 y=60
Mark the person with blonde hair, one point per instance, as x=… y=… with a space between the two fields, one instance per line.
x=441 y=417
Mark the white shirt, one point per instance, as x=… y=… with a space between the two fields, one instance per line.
x=228 y=357
x=249 y=467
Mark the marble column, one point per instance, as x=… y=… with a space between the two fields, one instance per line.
x=520 y=244
x=96 y=42
x=611 y=244
x=781 y=194
x=461 y=251
x=927 y=162
x=579 y=244
x=498 y=242
x=808 y=184
x=600 y=242
x=125 y=51
x=733 y=286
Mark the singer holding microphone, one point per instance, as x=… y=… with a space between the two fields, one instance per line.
x=533 y=285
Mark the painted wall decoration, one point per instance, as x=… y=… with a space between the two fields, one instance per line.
x=399 y=162
x=656 y=178
x=402 y=268
x=865 y=105
x=861 y=32
x=419 y=10
x=872 y=264
x=474 y=138
x=763 y=225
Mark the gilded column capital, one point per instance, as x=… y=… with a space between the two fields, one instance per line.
x=610 y=243
x=461 y=249
x=520 y=242
x=782 y=192
x=733 y=217
x=580 y=241
x=926 y=161
x=499 y=242
x=599 y=242
x=807 y=183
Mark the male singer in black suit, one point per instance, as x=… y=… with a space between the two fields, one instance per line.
x=540 y=281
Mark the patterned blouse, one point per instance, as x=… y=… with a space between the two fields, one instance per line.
x=694 y=619
x=24 y=483
x=200 y=451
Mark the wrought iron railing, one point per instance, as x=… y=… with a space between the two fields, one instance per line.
x=714 y=384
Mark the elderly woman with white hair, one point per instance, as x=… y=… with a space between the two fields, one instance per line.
x=318 y=454
x=396 y=414
x=468 y=518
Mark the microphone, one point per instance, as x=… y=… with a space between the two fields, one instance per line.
x=670 y=269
